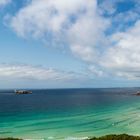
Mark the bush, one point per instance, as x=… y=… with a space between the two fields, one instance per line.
x=117 y=137
x=9 y=139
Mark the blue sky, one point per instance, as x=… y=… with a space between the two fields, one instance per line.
x=66 y=44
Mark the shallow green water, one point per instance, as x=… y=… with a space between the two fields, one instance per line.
x=52 y=118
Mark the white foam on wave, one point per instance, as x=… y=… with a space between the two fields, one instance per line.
x=68 y=138
x=33 y=139
x=76 y=138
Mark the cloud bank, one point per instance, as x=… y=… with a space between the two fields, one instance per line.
x=29 y=72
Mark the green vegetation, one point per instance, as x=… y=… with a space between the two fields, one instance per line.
x=117 y=137
x=107 y=137
x=9 y=139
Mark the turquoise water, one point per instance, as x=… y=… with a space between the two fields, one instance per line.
x=65 y=114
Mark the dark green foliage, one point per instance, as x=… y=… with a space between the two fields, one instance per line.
x=107 y=137
x=9 y=139
x=117 y=137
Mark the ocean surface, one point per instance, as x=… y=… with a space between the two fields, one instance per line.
x=69 y=114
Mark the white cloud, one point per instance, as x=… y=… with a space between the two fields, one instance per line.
x=29 y=72
x=40 y=17
x=80 y=25
x=96 y=71
x=4 y=2
x=85 y=53
x=124 y=56
x=75 y=22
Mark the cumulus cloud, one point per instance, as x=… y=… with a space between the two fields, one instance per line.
x=86 y=27
x=29 y=72
x=75 y=22
x=4 y=2
x=124 y=56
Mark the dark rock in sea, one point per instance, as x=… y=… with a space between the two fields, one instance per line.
x=137 y=93
x=23 y=92
x=117 y=137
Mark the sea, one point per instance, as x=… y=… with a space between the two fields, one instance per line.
x=69 y=114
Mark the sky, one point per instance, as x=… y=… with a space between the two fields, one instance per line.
x=69 y=43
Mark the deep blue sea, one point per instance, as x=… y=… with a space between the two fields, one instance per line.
x=65 y=114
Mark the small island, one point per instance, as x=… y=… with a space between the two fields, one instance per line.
x=137 y=93
x=23 y=92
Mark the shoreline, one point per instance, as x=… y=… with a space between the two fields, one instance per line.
x=105 y=137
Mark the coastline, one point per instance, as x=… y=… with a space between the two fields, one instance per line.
x=106 y=137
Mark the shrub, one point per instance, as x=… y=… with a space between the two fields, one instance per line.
x=117 y=137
